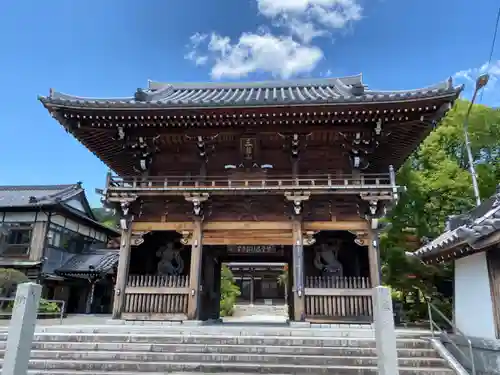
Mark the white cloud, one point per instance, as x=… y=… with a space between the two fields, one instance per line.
x=197 y=59
x=492 y=89
x=280 y=56
x=323 y=15
x=285 y=54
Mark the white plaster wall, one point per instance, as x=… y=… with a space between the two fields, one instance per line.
x=76 y=203
x=473 y=305
x=23 y=217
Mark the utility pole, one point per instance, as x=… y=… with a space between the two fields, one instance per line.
x=481 y=81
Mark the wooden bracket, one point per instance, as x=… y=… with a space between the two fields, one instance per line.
x=308 y=238
x=137 y=238
x=126 y=216
x=197 y=200
x=186 y=237
x=298 y=199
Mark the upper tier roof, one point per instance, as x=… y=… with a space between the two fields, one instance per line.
x=343 y=90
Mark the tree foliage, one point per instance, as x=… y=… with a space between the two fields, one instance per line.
x=9 y=280
x=106 y=217
x=229 y=292
x=439 y=185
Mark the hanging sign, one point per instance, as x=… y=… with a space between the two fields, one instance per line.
x=254 y=249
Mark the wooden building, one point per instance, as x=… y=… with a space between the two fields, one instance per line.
x=260 y=283
x=50 y=233
x=307 y=165
x=472 y=243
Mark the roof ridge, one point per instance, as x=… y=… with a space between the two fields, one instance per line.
x=356 y=79
x=36 y=187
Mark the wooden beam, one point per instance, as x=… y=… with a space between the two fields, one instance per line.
x=339 y=292
x=180 y=226
x=156 y=290
x=257 y=241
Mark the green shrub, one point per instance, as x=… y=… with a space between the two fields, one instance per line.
x=229 y=292
x=9 y=279
x=48 y=307
x=44 y=307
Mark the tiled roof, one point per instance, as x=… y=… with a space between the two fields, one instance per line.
x=343 y=90
x=35 y=196
x=96 y=262
x=477 y=228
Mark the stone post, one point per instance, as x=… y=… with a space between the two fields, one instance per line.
x=21 y=329
x=385 y=332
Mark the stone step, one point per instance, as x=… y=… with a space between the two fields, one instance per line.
x=222 y=340
x=92 y=367
x=227 y=330
x=125 y=358
x=223 y=349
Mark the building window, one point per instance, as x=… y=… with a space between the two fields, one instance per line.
x=16 y=241
x=69 y=240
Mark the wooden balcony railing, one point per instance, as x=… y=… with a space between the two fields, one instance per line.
x=150 y=297
x=338 y=299
x=176 y=185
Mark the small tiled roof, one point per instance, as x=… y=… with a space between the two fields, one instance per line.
x=342 y=90
x=477 y=228
x=36 y=195
x=95 y=262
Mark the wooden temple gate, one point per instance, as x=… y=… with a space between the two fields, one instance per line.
x=213 y=165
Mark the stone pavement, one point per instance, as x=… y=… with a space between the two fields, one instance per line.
x=258 y=314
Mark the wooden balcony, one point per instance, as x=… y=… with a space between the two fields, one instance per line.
x=380 y=183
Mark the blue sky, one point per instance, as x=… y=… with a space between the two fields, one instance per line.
x=110 y=48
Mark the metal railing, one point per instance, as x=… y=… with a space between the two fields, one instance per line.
x=59 y=314
x=434 y=326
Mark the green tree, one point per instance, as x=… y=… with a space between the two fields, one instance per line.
x=106 y=217
x=439 y=185
x=229 y=292
x=9 y=280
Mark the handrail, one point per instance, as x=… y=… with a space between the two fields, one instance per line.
x=57 y=314
x=434 y=326
x=376 y=179
x=270 y=175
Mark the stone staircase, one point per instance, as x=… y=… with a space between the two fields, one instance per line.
x=159 y=349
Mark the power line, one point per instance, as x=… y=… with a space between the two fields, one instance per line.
x=493 y=42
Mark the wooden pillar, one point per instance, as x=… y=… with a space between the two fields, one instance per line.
x=195 y=270
x=298 y=271
x=90 y=297
x=374 y=258
x=122 y=272
x=252 y=289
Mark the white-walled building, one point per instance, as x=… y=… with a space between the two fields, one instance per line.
x=51 y=234
x=472 y=242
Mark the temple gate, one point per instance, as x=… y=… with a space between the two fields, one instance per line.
x=199 y=168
